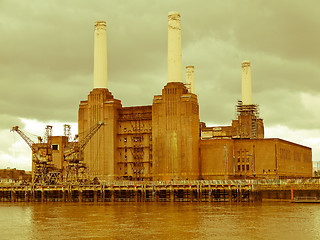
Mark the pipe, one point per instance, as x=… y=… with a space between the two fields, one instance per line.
x=100 y=77
x=246 y=83
x=190 y=79
x=174 y=48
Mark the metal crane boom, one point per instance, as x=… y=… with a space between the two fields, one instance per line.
x=77 y=147
x=76 y=170
x=87 y=138
x=24 y=137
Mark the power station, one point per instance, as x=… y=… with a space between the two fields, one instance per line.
x=165 y=141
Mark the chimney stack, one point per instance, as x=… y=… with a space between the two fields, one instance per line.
x=174 y=48
x=100 y=78
x=190 y=79
x=246 y=83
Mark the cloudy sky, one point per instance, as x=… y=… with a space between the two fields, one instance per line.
x=46 y=62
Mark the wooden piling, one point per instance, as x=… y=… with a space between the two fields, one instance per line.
x=42 y=194
x=229 y=195
x=112 y=195
x=153 y=194
x=95 y=195
x=13 y=196
x=102 y=193
x=157 y=194
x=80 y=195
x=69 y=193
x=209 y=193
x=135 y=194
x=172 y=197
x=238 y=194
x=63 y=195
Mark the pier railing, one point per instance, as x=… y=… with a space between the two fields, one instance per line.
x=188 y=182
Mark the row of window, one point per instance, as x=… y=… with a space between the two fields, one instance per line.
x=243 y=167
x=285 y=154
x=243 y=155
x=136 y=139
x=137 y=129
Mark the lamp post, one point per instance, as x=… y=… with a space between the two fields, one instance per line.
x=225 y=162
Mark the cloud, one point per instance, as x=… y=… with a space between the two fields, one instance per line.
x=46 y=64
x=14 y=152
x=309 y=138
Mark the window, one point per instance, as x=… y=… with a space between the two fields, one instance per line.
x=247 y=167
x=125 y=139
x=238 y=167
x=137 y=139
x=55 y=146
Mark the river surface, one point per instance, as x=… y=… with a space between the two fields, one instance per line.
x=267 y=220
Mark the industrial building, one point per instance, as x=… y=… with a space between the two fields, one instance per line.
x=166 y=140
x=13 y=175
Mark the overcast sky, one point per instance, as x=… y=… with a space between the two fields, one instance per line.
x=46 y=62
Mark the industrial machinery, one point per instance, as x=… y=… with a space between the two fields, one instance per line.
x=44 y=171
x=73 y=155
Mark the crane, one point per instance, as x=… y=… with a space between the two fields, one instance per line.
x=44 y=172
x=73 y=155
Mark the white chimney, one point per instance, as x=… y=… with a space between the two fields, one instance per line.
x=100 y=78
x=190 y=79
x=246 y=83
x=174 y=48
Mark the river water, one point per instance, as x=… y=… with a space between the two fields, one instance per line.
x=266 y=220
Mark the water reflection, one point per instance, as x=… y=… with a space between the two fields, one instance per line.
x=159 y=221
x=15 y=221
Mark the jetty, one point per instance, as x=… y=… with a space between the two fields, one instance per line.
x=171 y=191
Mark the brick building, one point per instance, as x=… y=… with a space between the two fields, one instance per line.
x=166 y=140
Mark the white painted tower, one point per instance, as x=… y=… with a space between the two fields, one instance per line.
x=100 y=76
x=190 y=79
x=174 y=48
x=246 y=83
